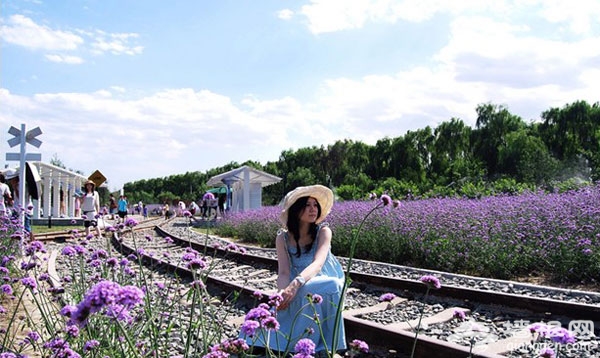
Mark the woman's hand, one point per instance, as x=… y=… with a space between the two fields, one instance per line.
x=288 y=294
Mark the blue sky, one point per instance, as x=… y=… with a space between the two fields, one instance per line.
x=146 y=89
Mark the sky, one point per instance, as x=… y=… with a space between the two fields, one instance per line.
x=153 y=88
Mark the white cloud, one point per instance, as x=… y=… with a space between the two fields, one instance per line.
x=322 y=16
x=285 y=14
x=579 y=16
x=58 y=58
x=23 y=31
x=116 y=43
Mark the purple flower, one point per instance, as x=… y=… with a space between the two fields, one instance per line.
x=561 y=335
x=359 y=346
x=386 y=200
x=217 y=353
x=7 y=289
x=196 y=264
x=539 y=328
x=29 y=282
x=547 y=352
x=188 y=256
x=107 y=294
x=187 y=213
x=130 y=296
x=234 y=346
x=270 y=323
x=68 y=251
x=257 y=294
x=68 y=310
x=305 y=346
x=317 y=299
x=275 y=300
x=72 y=331
x=258 y=314
x=129 y=222
x=90 y=345
x=33 y=336
x=459 y=314
x=33 y=247
x=387 y=297
x=249 y=327
x=431 y=281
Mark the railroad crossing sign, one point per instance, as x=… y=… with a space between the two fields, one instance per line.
x=30 y=136
x=22 y=137
x=98 y=178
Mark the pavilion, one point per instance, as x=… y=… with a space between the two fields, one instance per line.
x=243 y=187
x=45 y=182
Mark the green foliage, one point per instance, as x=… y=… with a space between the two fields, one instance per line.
x=451 y=159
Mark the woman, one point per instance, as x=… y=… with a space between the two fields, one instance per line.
x=306 y=267
x=4 y=196
x=91 y=208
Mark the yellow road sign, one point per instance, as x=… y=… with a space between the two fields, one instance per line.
x=98 y=178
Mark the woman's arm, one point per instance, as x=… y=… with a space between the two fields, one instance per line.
x=97 y=202
x=283 y=262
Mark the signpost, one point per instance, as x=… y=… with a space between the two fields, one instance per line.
x=98 y=178
x=23 y=137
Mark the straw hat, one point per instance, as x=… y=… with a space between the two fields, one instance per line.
x=10 y=173
x=321 y=193
x=90 y=182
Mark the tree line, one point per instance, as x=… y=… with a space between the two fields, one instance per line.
x=502 y=153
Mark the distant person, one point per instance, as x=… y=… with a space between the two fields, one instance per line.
x=77 y=205
x=112 y=206
x=194 y=208
x=167 y=211
x=203 y=207
x=5 y=196
x=180 y=208
x=27 y=221
x=222 y=199
x=145 y=211
x=122 y=208
x=63 y=209
x=91 y=208
x=212 y=206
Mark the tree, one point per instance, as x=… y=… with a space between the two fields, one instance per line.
x=526 y=158
x=493 y=124
x=451 y=152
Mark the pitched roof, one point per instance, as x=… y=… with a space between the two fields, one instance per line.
x=255 y=176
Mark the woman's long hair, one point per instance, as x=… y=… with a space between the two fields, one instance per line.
x=293 y=223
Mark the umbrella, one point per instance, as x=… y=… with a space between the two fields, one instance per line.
x=218 y=190
x=208 y=196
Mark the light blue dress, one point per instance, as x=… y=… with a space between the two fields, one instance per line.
x=297 y=321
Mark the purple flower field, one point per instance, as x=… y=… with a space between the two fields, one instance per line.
x=553 y=235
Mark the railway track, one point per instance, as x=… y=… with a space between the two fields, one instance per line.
x=496 y=324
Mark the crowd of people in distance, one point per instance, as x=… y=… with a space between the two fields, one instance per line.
x=86 y=204
x=209 y=207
